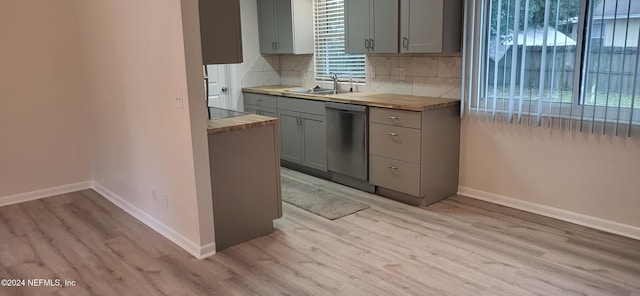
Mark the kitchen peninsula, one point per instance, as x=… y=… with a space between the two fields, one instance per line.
x=245 y=175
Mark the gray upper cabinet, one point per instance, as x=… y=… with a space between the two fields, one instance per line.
x=285 y=26
x=430 y=26
x=371 y=26
x=220 y=32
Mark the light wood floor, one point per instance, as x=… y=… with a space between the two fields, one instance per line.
x=459 y=246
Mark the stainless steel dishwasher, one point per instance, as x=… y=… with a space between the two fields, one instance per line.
x=347 y=140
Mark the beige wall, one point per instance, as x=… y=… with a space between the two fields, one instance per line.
x=134 y=63
x=586 y=174
x=43 y=139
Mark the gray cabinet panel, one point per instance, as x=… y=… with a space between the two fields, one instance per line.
x=385 y=26
x=400 y=118
x=371 y=26
x=314 y=137
x=302 y=105
x=267 y=25
x=394 y=174
x=260 y=104
x=260 y=100
x=394 y=142
x=418 y=162
x=283 y=31
x=290 y=136
x=284 y=43
x=220 y=20
x=357 y=25
x=266 y=111
x=251 y=109
x=242 y=213
x=302 y=127
x=430 y=26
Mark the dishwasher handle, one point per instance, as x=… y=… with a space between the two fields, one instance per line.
x=345 y=107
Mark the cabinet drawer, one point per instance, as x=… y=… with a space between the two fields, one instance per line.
x=302 y=105
x=260 y=100
x=399 y=143
x=401 y=118
x=395 y=175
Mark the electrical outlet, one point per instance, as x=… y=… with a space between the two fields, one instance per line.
x=400 y=75
x=372 y=72
x=179 y=102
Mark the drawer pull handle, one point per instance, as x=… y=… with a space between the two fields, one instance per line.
x=393 y=117
x=393 y=168
x=393 y=134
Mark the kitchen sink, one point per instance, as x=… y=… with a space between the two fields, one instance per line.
x=314 y=91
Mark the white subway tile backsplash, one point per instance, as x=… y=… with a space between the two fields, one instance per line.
x=389 y=84
x=381 y=64
x=424 y=75
x=266 y=63
x=419 y=66
x=450 y=67
x=260 y=79
x=437 y=87
x=291 y=78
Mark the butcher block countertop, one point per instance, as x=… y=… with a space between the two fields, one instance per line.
x=228 y=124
x=373 y=99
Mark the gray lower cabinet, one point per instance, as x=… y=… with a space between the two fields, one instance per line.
x=303 y=138
x=241 y=212
x=314 y=141
x=290 y=136
x=260 y=104
x=413 y=156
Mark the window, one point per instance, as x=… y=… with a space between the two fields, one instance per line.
x=330 y=42
x=565 y=63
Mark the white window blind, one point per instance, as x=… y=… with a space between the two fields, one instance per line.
x=555 y=63
x=330 y=43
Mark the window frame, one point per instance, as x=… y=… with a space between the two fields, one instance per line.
x=576 y=109
x=359 y=58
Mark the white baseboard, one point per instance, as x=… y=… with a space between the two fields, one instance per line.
x=166 y=231
x=576 y=218
x=42 y=193
x=207 y=250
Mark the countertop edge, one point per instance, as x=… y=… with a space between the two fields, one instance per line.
x=242 y=122
x=339 y=98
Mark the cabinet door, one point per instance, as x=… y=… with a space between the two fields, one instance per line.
x=251 y=108
x=290 y=136
x=357 y=25
x=268 y=112
x=421 y=26
x=220 y=20
x=384 y=25
x=284 y=27
x=267 y=25
x=314 y=145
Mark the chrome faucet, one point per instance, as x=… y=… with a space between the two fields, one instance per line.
x=334 y=77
